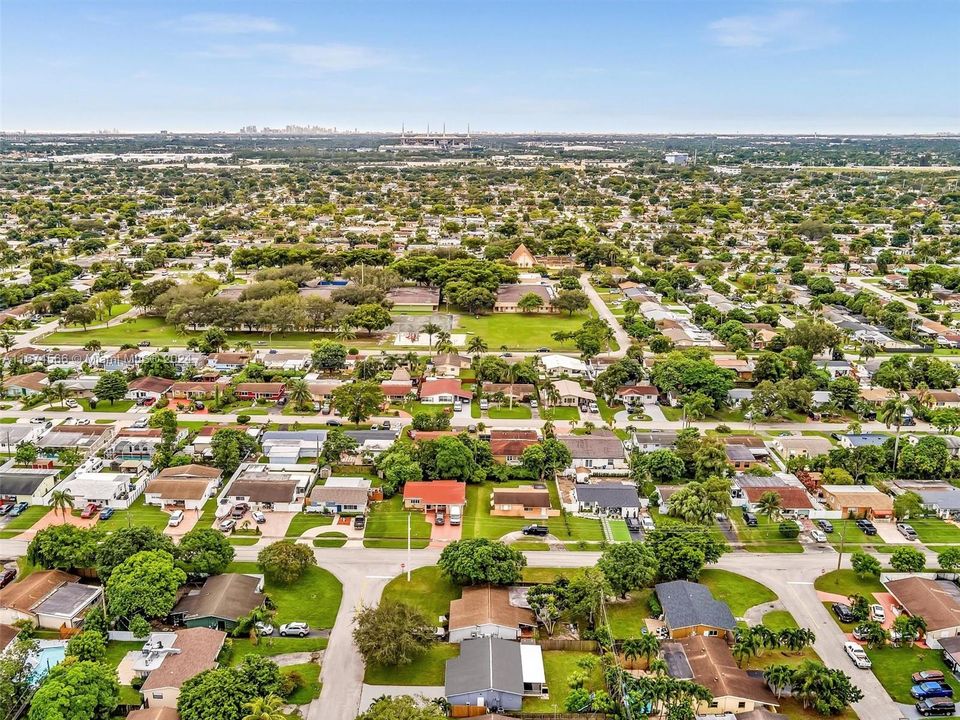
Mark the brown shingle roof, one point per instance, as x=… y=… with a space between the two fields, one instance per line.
x=481 y=605
x=229 y=596
x=198 y=647
x=936 y=601
x=713 y=667
x=528 y=497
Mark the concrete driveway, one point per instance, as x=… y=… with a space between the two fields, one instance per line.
x=189 y=522
x=440 y=535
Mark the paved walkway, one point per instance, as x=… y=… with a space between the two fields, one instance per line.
x=754 y=615
x=623 y=340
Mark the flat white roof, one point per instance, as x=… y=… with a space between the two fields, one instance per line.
x=531 y=664
x=348 y=482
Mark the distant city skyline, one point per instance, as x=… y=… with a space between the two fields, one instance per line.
x=654 y=66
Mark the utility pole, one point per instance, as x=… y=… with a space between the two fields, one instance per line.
x=408 y=547
x=843 y=536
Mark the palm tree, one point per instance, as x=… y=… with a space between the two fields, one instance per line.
x=808 y=679
x=770 y=504
x=264 y=708
x=443 y=338
x=649 y=646
x=61 y=500
x=549 y=430
x=430 y=329
x=7 y=341
x=477 y=345
x=796 y=639
x=553 y=395
x=867 y=350
x=778 y=677
x=891 y=413
x=59 y=391
x=299 y=393
x=695 y=407
x=345 y=332
x=921 y=399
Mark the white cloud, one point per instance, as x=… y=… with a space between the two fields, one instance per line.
x=329 y=57
x=228 y=24
x=783 y=30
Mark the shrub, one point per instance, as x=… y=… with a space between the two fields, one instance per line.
x=243 y=419
x=788 y=530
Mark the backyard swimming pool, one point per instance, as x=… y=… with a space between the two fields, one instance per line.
x=50 y=653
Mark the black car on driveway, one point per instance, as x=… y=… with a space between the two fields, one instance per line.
x=843 y=612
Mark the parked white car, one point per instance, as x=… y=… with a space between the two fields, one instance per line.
x=877 y=613
x=818 y=536
x=857 y=654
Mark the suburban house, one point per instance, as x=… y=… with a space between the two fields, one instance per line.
x=940 y=398
x=792 y=498
x=107 y=489
x=600 y=451
x=607 y=498
x=509 y=296
x=25 y=385
x=557 y=365
x=281 y=488
x=862 y=501
x=123 y=360
x=296 y=360
x=12 y=435
x=655 y=440
x=807 y=447
x=494 y=673
x=527 y=501
x=228 y=361
x=517 y=392
x=936 y=601
x=26 y=484
x=148 y=388
x=443 y=391
x=570 y=394
x=397 y=391
x=939 y=498
x=290 y=446
x=449 y=365
x=86 y=439
x=740 y=457
x=134 y=444
x=689 y=608
x=220 y=602
x=634 y=395
x=436 y=495
x=507 y=446
x=272 y=391
x=185 y=486
x=191 y=390
x=487 y=612
x=192 y=651
x=341 y=499
x=851 y=441
x=50 y=599
x=709 y=662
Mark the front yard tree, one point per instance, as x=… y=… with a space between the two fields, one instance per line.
x=866 y=565
x=571 y=301
x=26 y=454
x=144 y=584
x=403 y=707
x=285 y=561
x=660 y=466
x=298 y=393
x=81 y=314
x=204 y=551
x=76 y=691
x=829 y=692
x=479 y=560
x=683 y=550
x=531 y=302
x=126 y=542
x=907 y=560
x=111 y=386
x=949 y=559
x=628 y=566
x=223 y=692
x=63 y=547
x=328 y=355
x=844 y=392
x=907 y=505
x=337 y=443
x=770 y=504
x=391 y=634
x=358 y=400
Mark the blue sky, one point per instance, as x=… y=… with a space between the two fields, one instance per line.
x=518 y=65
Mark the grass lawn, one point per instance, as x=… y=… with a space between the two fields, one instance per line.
x=428 y=590
x=737 y=591
x=779 y=620
x=846 y=583
x=275 y=645
x=933 y=530
x=558 y=666
x=138 y=514
x=116 y=651
x=607 y=412
x=560 y=413
x=477 y=521
x=330 y=539
x=618 y=528
x=28 y=518
x=314 y=598
x=893 y=667
x=626 y=617
x=381 y=544
x=529 y=546
x=304 y=521
x=547 y=575
x=517 y=412
x=241 y=540
x=106 y=406
x=765 y=538
x=428 y=669
x=388 y=521
x=523 y=332
x=310 y=672
x=852 y=535
x=570 y=527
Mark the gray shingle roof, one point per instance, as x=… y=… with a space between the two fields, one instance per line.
x=485 y=664
x=609 y=495
x=686 y=604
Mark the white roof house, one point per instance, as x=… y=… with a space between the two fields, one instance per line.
x=348 y=482
x=106 y=488
x=563 y=363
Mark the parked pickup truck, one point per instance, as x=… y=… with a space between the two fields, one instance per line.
x=932 y=689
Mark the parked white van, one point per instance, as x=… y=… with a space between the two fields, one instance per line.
x=176 y=517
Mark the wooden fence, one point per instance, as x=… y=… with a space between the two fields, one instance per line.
x=571 y=645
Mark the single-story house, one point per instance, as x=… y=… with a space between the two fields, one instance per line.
x=791 y=498
x=134 y=444
x=443 y=392
x=49 y=598
x=509 y=296
x=507 y=445
x=607 y=498
x=12 y=435
x=397 y=391
x=25 y=385
x=282 y=488
x=285 y=359
x=449 y=365
x=709 y=662
x=600 y=451
x=289 y=446
x=220 y=602
x=86 y=439
x=185 y=486
x=435 y=495
x=808 y=447
x=690 y=609
x=192 y=651
x=518 y=392
x=858 y=501
x=419 y=297
x=339 y=500
x=557 y=365
x=487 y=612
x=108 y=489
x=851 y=440
x=28 y=485
x=191 y=390
x=272 y=391
x=148 y=388
x=494 y=673
x=633 y=395
x=940 y=398
x=950 y=650
x=944 y=501
x=228 y=361
x=740 y=457
x=526 y=501
x=936 y=601
x=654 y=440
x=123 y=360
x=571 y=394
